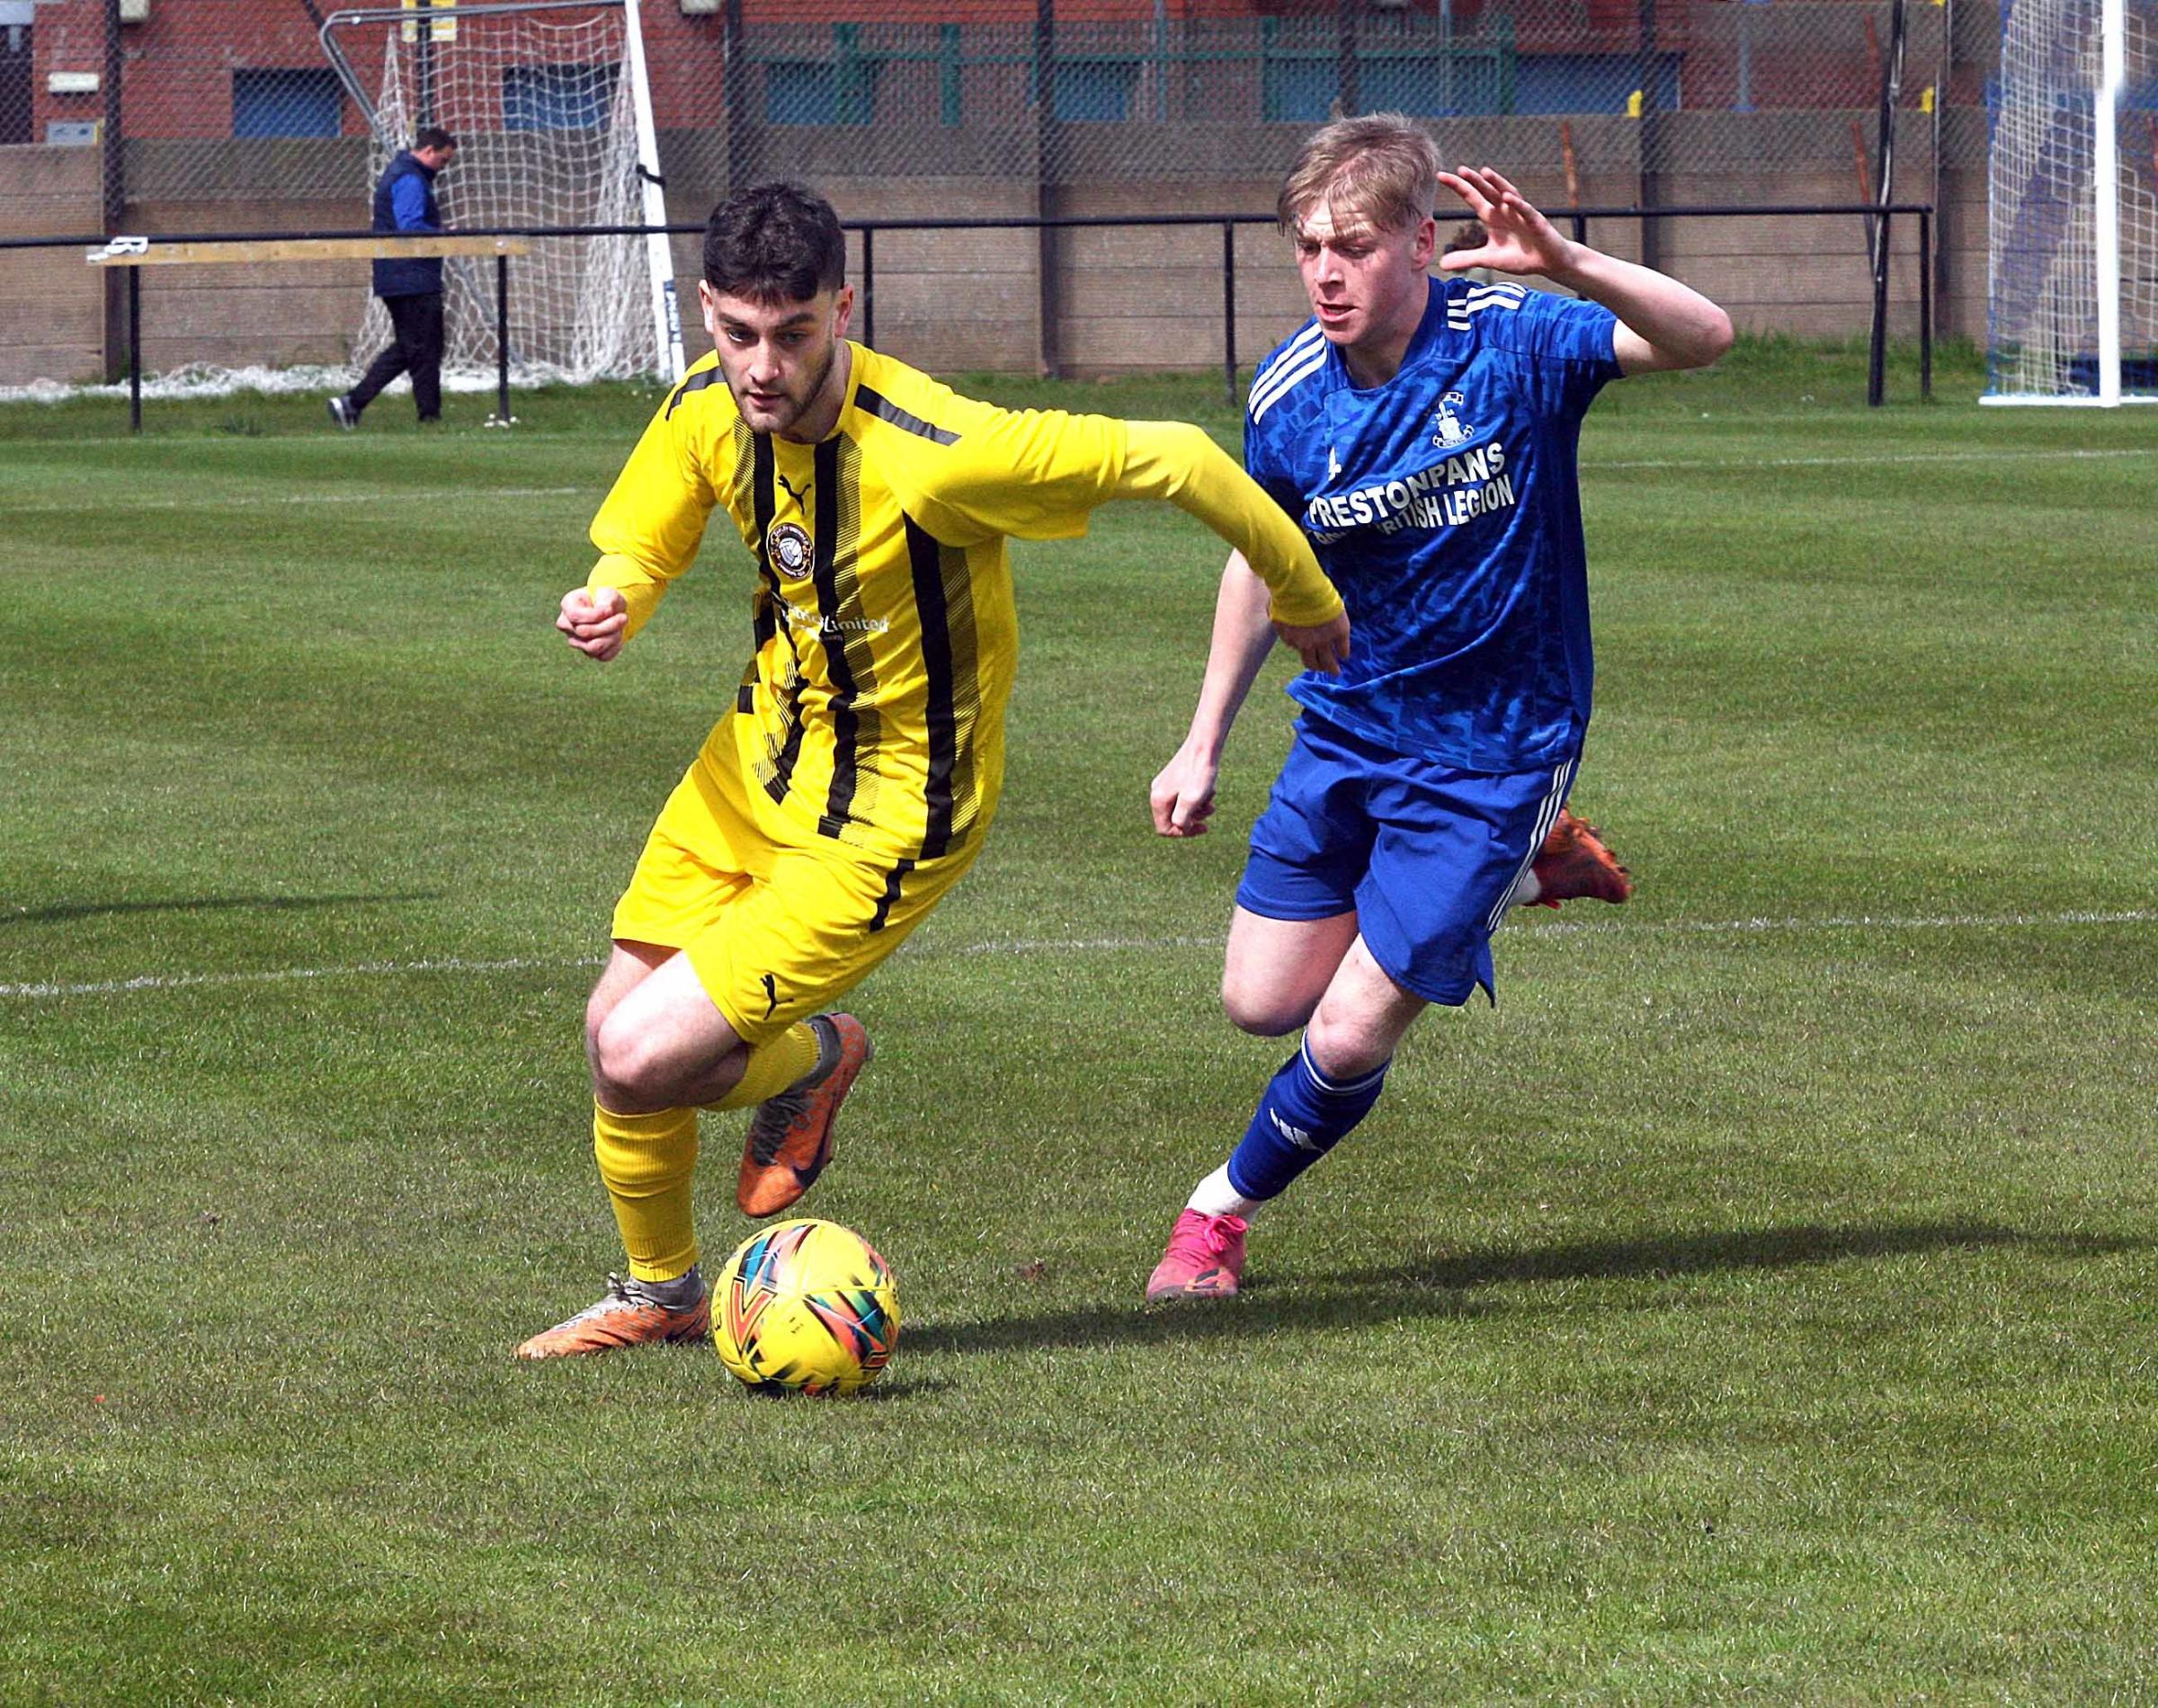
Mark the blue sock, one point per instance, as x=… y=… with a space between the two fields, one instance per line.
x=1302 y=1116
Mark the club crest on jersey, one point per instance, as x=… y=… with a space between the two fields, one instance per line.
x=788 y=546
x=1451 y=429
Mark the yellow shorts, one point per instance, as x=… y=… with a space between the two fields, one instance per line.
x=775 y=930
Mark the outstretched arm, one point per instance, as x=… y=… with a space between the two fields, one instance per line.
x=1661 y=323
x=1037 y=473
x=1177 y=461
x=1182 y=797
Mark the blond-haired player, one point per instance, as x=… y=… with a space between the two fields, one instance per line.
x=1423 y=433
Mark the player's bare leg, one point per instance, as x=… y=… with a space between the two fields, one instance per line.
x=1360 y=1019
x=1274 y=972
x=658 y=1043
x=659 y=1049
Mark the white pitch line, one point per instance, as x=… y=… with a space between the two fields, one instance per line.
x=1862 y=921
x=281 y=501
x=1082 y=946
x=1075 y=945
x=279 y=975
x=1589 y=464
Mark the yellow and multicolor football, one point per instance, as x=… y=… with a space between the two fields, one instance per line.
x=805 y=1306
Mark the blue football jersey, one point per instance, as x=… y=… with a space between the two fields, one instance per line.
x=1446 y=506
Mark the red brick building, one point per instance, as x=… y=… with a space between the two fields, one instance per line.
x=235 y=120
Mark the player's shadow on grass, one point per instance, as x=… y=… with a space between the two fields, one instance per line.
x=1449 y=1287
x=202 y=904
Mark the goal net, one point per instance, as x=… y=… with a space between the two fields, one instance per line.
x=547 y=101
x=2072 y=224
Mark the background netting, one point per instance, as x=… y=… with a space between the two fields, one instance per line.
x=2044 y=212
x=539 y=103
x=992 y=110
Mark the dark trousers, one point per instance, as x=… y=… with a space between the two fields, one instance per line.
x=416 y=348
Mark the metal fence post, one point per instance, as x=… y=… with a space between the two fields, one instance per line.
x=134 y=348
x=1228 y=312
x=1925 y=304
x=502 y=340
x=868 y=286
x=735 y=94
x=1648 y=140
x=1047 y=307
x=1349 y=95
x=114 y=169
x=1876 y=354
x=113 y=132
x=422 y=65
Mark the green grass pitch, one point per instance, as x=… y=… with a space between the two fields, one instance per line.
x=1759 y=1305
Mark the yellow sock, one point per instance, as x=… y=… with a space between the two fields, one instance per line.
x=646 y=1162
x=772 y=1068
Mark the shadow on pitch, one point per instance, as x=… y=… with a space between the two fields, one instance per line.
x=1449 y=1287
x=204 y=904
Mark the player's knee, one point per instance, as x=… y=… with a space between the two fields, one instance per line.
x=1262 y=1010
x=628 y=1071
x=1346 y=1046
x=596 y=1011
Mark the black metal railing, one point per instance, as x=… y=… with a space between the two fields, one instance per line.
x=1579 y=219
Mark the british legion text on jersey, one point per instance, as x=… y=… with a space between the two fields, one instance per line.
x=1445 y=504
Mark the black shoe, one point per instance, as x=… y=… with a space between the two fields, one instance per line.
x=342 y=412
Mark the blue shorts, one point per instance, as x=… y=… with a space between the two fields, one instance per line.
x=1425 y=855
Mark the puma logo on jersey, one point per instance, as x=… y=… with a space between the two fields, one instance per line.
x=801 y=497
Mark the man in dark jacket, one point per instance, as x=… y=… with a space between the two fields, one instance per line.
x=411 y=290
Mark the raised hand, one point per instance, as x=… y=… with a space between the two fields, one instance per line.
x=1518 y=239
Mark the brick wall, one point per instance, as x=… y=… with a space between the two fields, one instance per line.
x=52 y=306
x=1125 y=298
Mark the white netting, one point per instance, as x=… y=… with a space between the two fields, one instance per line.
x=541 y=106
x=2044 y=216
x=2139 y=204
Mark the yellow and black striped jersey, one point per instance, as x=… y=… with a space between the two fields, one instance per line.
x=886 y=634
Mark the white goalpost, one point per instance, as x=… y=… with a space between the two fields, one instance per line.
x=552 y=112
x=2072 y=220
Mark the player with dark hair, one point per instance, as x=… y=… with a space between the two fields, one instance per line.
x=1424 y=434
x=410 y=287
x=855 y=774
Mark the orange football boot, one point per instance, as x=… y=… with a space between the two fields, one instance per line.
x=1573 y=862
x=790 y=1134
x=628 y=1316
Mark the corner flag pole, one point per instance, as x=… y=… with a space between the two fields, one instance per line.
x=666 y=312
